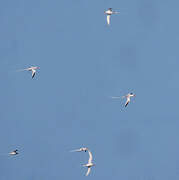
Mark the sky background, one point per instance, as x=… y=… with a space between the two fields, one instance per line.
x=83 y=62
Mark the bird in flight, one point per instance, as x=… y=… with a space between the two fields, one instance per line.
x=33 y=69
x=80 y=150
x=109 y=12
x=14 y=152
x=128 y=98
x=89 y=164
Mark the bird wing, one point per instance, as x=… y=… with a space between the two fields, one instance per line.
x=116 y=12
x=87 y=173
x=127 y=102
x=33 y=73
x=115 y=97
x=76 y=150
x=90 y=157
x=108 y=19
x=22 y=70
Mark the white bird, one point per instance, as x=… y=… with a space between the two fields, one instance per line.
x=109 y=12
x=14 y=152
x=89 y=164
x=80 y=150
x=128 y=98
x=32 y=69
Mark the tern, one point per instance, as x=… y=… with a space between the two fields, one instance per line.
x=33 y=69
x=109 y=12
x=128 y=98
x=80 y=150
x=89 y=164
x=14 y=152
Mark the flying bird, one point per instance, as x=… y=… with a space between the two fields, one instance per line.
x=33 y=69
x=80 y=150
x=89 y=164
x=14 y=152
x=128 y=98
x=109 y=12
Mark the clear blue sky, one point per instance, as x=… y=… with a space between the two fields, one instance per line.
x=83 y=62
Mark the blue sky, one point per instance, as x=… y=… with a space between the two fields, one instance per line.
x=82 y=63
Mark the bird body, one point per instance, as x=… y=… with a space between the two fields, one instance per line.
x=33 y=69
x=14 y=152
x=128 y=96
x=109 y=12
x=89 y=164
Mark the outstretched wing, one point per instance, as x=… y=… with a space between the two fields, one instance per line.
x=87 y=173
x=33 y=73
x=76 y=150
x=116 y=12
x=22 y=70
x=79 y=150
x=108 y=19
x=116 y=97
x=127 y=102
x=90 y=157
